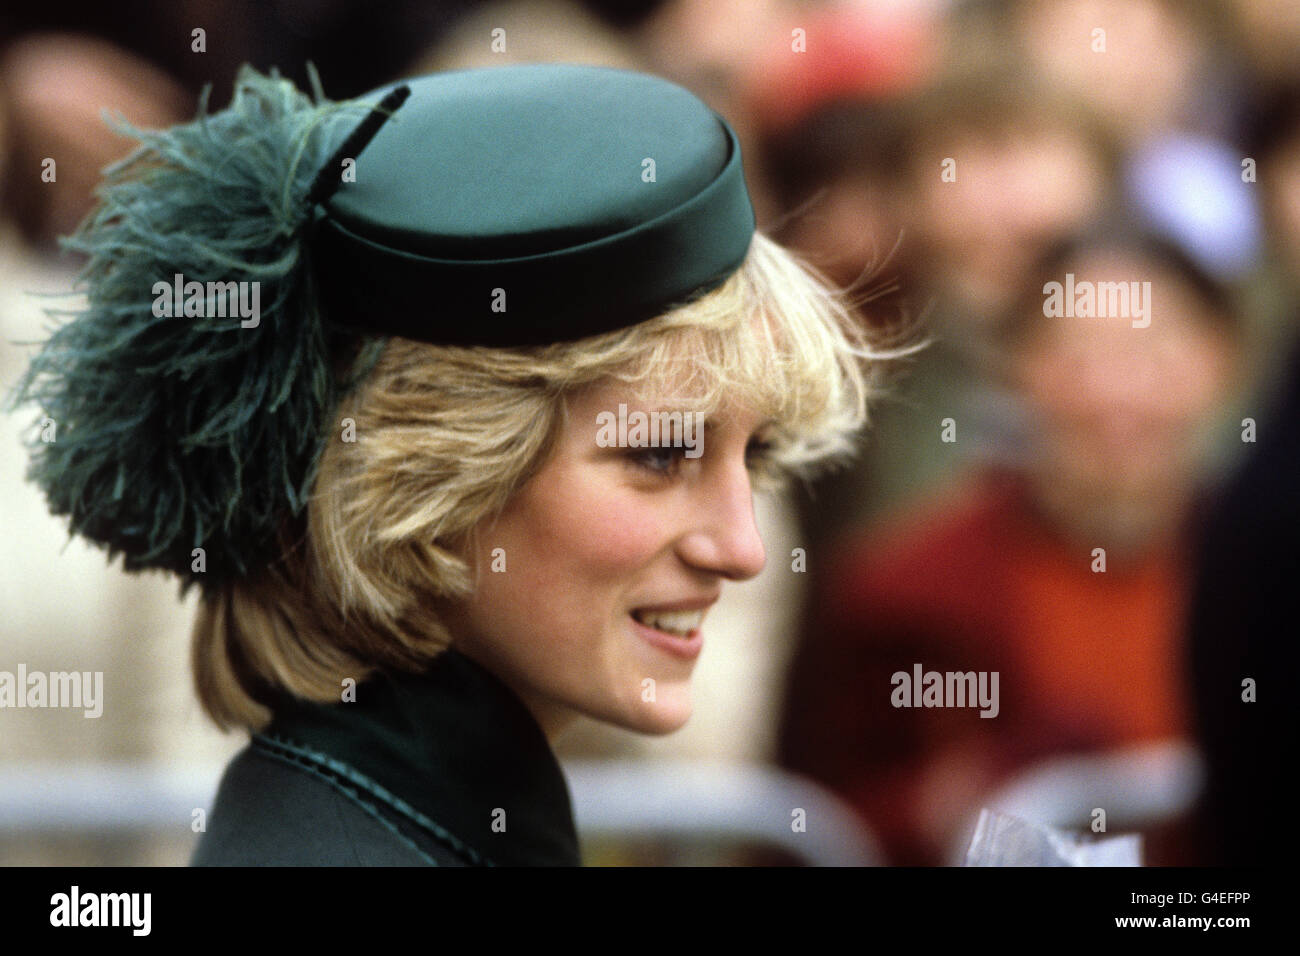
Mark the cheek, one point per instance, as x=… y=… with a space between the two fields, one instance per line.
x=1196 y=376
x=573 y=549
x=1050 y=385
x=590 y=526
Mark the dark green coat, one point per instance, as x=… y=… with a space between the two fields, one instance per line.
x=445 y=768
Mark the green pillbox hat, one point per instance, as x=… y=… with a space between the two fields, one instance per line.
x=525 y=205
x=233 y=259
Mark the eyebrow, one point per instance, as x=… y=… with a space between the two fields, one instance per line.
x=709 y=423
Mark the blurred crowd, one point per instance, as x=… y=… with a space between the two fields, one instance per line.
x=1098 y=507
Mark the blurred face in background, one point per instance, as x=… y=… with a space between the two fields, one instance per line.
x=56 y=87
x=1139 y=72
x=851 y=229
x=1118 y=409
x=1016 y=191
x=1282 y=189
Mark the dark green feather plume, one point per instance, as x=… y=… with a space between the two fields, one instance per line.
x=176 y=433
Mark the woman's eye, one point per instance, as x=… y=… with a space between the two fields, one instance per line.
x=662 y=460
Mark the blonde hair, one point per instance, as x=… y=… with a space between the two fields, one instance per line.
x=445 y=435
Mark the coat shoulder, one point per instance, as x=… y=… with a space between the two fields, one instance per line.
x=271 y=813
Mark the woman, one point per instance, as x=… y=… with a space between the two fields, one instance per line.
x=417 y=488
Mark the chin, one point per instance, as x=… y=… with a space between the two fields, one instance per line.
x=669 y=712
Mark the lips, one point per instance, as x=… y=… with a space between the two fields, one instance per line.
x=674 y=626
x=685 y=648
x=678 y=623
x=679 y=618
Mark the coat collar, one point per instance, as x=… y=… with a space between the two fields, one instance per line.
x=455 y=745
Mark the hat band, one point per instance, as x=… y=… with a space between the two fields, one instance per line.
x=584 y=290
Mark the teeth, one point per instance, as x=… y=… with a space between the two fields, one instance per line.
x=680 y=623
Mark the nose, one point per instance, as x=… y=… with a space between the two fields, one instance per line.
x=724 y=536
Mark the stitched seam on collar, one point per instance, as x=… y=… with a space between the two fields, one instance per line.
x=299 y=763
x=313 y=761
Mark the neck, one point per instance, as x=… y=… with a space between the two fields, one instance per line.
x=553 y=719
x=1131 y=525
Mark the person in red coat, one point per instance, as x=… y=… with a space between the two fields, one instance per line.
x=1063 y=573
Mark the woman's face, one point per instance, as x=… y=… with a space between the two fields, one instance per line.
x=600 y=537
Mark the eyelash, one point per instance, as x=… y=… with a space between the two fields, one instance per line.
x=756 y=456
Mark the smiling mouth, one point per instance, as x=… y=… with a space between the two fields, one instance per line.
x=674 y=623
